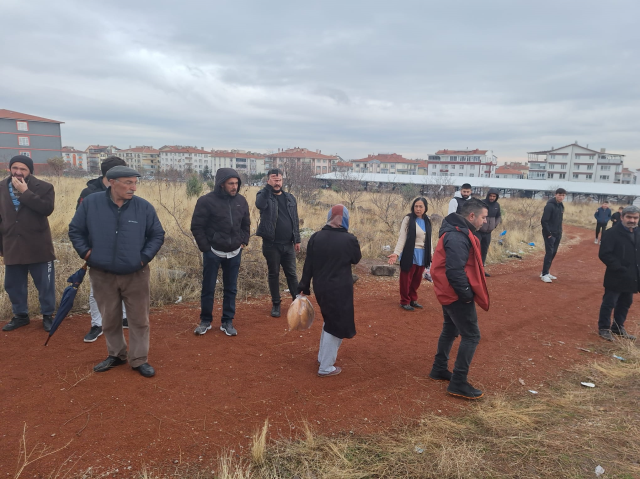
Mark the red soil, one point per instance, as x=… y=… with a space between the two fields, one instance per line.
x=212 y=392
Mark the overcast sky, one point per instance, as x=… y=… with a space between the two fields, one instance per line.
x=346 y=77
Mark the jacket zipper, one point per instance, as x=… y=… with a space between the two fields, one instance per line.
x=115 y=246
x=231 y=217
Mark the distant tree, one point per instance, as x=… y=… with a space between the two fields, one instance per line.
x=194 y=186
x=57 y=165
x=206 y=173
x=351 y=188
x=300 y=182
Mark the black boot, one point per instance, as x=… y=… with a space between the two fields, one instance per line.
x=461 y=388
x=47 y=321
x=275 y=310
x=16 y=322
x=440 y=374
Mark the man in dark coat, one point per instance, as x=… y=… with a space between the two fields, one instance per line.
x=620 y=251
x=494 y=218
x=459 y=198
x=99 y=185
x=118 y=234
x=552 y=231
x=25 y=241
x=280 y=232
x=220 y=226
x=602 y=216
x=330 y=254
x=459 y=283
x=616 y=216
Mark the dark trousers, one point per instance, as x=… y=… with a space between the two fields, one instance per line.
x=600 y=226
x=409 y=283
x=16 y=278
x=617 y=302
x=485 y=241
x=279 y=254
x=459 y=319
x=230 y=267
x=550 y=248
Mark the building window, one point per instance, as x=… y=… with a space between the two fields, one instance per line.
x=26 y=153
x=23 y=140
x=604 y=177
x=553 y=157
x=472 y=175
x=453 y=158
x=577 y=167
x=460 y=174
x=22 y=126
x=549 y=175
x=589 y=177
x=575 y=176
x=552 y=166
x=562 y=176
x=605 y=168
x=589 y=167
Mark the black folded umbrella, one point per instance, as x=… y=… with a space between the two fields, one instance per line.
x=68 y=297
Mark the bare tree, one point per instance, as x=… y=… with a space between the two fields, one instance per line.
x=440 y=191
x=387 y=206
x=300 y=182
x=350 y=188
x=56 y=165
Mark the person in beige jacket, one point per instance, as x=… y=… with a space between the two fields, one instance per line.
x=414 y=249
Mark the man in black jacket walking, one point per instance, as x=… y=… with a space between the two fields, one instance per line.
x=220 y=226
x=99 y=185
x=118 y=234
x=552 y=231
x=280 y=232
x=620 y=251
x=494 y=218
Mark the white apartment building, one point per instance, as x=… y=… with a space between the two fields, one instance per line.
x=141 y=158
x=75 y=158
x=470 y=163
x=386 y=163
x=185 y=159
x=240 y=160
x=576 y=163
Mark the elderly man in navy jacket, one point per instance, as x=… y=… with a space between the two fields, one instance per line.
x=118 y=234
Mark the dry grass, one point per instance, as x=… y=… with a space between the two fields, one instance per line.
x=179 y=253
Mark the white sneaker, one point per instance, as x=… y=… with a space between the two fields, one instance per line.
x=596 y=241
x=551 y=276
x=546 y=278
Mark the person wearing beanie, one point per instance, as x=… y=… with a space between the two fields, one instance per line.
x=98 y=185
x=25 y=241
x=118 y=234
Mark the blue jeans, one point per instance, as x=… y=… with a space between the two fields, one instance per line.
x=230 y=268
x=16 y=284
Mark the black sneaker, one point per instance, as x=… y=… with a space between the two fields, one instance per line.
x=440 y=375
x=146 y=370
x=407 y=307
x=125 y=323
x=228 y=329
x=94 y=333
x=464 y=390
x=275 y=310
x=620 y=331
x=415 y=304
x=487 y=275
x=16 y=322
x=47 y=321
x=605 y=334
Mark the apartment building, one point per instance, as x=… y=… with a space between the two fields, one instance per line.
x=23 y=134
x=96 y=154
x=145 y=159
x=576 y=163
x=318 y=162
x=75 y=158
x=386 y=163
x=470 y=163
x=185 y=158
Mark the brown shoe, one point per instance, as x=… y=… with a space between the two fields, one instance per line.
x=335 y=372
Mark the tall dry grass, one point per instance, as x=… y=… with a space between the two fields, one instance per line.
x=176 y=271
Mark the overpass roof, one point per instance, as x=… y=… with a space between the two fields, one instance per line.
x=580 y=187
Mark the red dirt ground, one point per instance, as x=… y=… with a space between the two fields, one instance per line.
x=212 y=392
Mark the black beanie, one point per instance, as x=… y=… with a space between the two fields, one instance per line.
x=28 y=162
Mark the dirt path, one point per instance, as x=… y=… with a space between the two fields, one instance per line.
x=213 y=392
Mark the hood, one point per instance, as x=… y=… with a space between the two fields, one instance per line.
x=457 y=194
x=553 y=202
x=493 y=191
x=453 y=222
x=223 y=174
x=96 y=183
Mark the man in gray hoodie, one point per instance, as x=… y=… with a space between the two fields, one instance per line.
x=494 y=218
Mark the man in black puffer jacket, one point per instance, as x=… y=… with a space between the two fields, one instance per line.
x=552 y=231
x=494 y=218
x=220 y=226
x=280 y=232
x=118 y=234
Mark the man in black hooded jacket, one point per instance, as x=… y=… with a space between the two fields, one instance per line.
x=552 y=231
x=494 y=218
x=220 y=226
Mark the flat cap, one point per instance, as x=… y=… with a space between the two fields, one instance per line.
x=121 y=172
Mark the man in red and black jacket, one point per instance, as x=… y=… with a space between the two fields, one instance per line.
x=459 y=283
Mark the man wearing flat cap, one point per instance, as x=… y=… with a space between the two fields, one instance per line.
x=118 y=234
x=25 y=241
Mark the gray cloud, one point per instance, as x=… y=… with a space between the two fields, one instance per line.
x=346 y=77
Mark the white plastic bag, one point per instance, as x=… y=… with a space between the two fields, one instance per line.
x=300 y=315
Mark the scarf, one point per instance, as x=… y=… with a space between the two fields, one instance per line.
x=14 y=198
x=338 y=217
